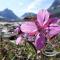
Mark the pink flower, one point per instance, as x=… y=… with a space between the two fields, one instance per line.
x=19 y=40
x=43 y=27
x=17 y=29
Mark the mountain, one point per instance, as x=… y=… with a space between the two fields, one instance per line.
x=55 y=8
x=28 y=14
x=8 y=14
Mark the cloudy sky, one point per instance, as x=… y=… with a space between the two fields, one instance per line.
x=19 y=7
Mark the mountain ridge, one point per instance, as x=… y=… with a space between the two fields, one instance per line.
x=8 y=14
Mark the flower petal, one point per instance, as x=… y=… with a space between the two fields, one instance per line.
x=42 y=17
x=51 y=21
x=40 y=41
x=28 y=27
x=17 y=29
x=46 y=17
x=58 y=22
x=53 y=30
x=19 y=40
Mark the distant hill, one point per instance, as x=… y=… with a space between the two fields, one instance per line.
x=8 y=15
x=55 y=8
x=28 y=14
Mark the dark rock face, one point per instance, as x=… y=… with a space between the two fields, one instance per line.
x=55 y=8
x=55 y=5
